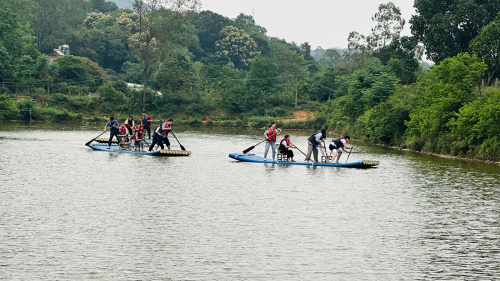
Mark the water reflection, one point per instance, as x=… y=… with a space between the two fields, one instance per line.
x=67 y=212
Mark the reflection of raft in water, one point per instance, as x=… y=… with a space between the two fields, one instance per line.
x=116 y=148
x=259 y=159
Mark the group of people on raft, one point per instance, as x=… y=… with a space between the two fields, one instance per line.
x=136 y=133
x=313 y=142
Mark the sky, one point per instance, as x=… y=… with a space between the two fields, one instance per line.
x=324 y=23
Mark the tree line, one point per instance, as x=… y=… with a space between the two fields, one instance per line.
x=199 y=63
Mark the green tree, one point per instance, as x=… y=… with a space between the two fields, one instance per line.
x=143 y=44
x=447 y=27
x=225 y=84
x=155 y=36
x=247 y=23
x=401 y=56
x=389 y=25
x=77 y=71
x=111 y=100
x=330 y=58
x=322 y=86
x=263 y=74
x=486 y=46
x=18 y=55
x=445 y=89
x=102 y=6
x=291 y=64
x=236 y=47
x=208 y=26
x=385 y=123
x=55 y=18
x=476 y=128
x=176 y=77
x=8 y=108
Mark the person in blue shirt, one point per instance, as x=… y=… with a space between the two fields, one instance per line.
x=313 y=142
x=114 y=130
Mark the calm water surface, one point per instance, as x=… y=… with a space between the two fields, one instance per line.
x=70 y=213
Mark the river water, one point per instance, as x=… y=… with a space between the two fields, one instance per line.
x=70 y=213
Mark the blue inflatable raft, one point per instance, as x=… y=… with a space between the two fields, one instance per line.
x=115 y=148
x=259 y=159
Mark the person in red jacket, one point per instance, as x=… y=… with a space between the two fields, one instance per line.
x=138 y=138
x=270 y=135
x=285 y=146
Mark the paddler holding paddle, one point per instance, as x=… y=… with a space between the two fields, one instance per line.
x=285 y=148
x=270 y=135
x=313 y=142
x=114 y=130
x=161 y=135
x=337 y=146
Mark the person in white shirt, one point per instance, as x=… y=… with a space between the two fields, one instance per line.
x=337 y=146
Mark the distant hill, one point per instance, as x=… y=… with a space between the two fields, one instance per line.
x=122 y=4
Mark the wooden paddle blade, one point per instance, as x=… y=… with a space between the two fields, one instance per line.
x=248 y=149
x=87 y=144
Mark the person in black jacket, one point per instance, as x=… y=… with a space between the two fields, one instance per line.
x=114 y=130
x=337 y=146
x=313 y=142
x=285 y=146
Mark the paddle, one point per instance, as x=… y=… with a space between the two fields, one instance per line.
x=252 y=147
x=348 y=155
x=297 y=148
x=182 y=147
x=87 y=144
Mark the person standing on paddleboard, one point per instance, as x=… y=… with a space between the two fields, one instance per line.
x=270 y=135
x=160 y=135
x=130 y=124
x=313 y=141
x=146 y=123
x=114 y=130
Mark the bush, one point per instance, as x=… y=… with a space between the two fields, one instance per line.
x=57 y=115
x=260 y=122
x=227 y=123
x=27 y=110
x=8 y=108
x=72 y=103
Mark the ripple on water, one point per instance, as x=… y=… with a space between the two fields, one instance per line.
x=69 y=213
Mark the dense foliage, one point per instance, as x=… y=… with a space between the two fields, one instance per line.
x=182 y=62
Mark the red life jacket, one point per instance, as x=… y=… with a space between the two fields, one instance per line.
x=167 y=126
x=271 y=134
x=140 y=135
x=123 y=130
x=282 y=147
